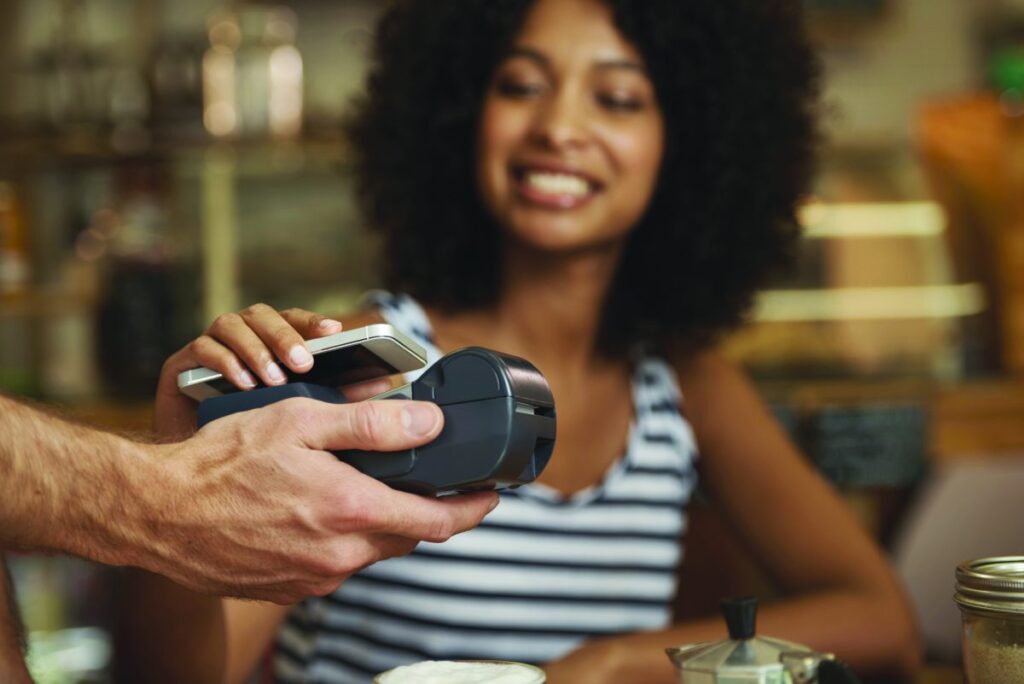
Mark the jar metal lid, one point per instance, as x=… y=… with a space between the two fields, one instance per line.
x=993 y=585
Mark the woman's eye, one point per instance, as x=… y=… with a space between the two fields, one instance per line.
x=620 y=103
x=519 y=88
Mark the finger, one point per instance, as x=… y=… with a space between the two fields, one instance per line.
x=208 y=352
x=310 y=324
x=353 y=552
x=365 y=390
x=433 y=520
x=367 y=425
x=391 y=545
x=232 y=331
x=279 y=336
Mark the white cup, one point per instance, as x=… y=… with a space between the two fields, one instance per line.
x=463 y=672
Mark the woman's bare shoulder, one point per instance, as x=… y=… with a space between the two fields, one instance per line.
x=717 y=394
x=708 y=373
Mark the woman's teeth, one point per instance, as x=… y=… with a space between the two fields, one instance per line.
x=558 y=184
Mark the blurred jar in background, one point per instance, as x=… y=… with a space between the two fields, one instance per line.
x=149 y=293
x=15 y=271
x=252 y=74
x=74 y=73
x=16 y=356
x=177 y=86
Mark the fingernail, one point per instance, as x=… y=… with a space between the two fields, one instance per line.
x=246 y=378
x=328 y=323
x=494 y=504
x=300 y=356
x=419 y=420
x=275 y=373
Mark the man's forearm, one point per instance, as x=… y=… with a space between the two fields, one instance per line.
x=65 y=487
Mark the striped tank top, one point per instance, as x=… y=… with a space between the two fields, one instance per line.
x=542 y=574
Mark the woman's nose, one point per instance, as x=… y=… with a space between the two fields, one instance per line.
x=560 y=122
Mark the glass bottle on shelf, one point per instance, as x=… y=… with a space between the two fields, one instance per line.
x=75 y=75
x=253 y=74
x=149 y=290
x=15 y=270
x=973 y=150
x=17 y=373
x=1008 y=78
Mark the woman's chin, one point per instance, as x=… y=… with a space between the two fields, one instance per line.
x=561 y=239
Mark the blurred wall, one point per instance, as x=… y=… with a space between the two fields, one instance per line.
x=875 y=72
x=878 y=72
x=8 y=22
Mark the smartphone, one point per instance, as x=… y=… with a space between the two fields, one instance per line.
x=342 y=359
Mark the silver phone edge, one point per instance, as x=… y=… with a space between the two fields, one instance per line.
x=381 y=339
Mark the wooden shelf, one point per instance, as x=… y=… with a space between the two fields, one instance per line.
x=940 y=674
x=980 y=419
x=35 y=153
x=133 y=419
x=968 y=419
x=38 y=303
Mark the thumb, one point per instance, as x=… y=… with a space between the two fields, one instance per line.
x=368 y=425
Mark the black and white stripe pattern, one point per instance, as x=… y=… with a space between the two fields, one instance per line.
x=538 y=577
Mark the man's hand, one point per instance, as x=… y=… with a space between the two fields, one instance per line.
x=255 y=506
x=253 y=343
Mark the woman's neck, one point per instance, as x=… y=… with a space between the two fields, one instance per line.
x=549 y=310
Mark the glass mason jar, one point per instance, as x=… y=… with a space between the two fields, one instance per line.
x=468 y=671
x=990 y=594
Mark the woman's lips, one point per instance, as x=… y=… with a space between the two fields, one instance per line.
x=554 y=189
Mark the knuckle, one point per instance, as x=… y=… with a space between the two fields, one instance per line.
x=369 y=555
x=284 y=335
x=295 y=412
x=170 y=364
x=224 y=322
x=333 y=572
x=304 y=322
x=197 y=346
x=359 y=513
x=254 y=310
x=440 y=531
x=354 y=511
x=339 y=566
x=322 y=567
x=284 y=419
x=368 y=424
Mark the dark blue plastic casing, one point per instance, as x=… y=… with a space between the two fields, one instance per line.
x=499 y=424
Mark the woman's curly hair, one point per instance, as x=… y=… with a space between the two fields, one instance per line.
x=737 y=82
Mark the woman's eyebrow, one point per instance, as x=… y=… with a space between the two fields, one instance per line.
x=620 y=64
x=530 y=54
x=542 y=59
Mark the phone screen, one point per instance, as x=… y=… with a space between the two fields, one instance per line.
x=334 y=368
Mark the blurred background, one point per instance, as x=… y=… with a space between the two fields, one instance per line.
x=161 y=163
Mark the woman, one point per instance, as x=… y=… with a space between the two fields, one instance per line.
x=599 y=187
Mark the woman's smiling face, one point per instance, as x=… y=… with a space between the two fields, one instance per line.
x=571 y=136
